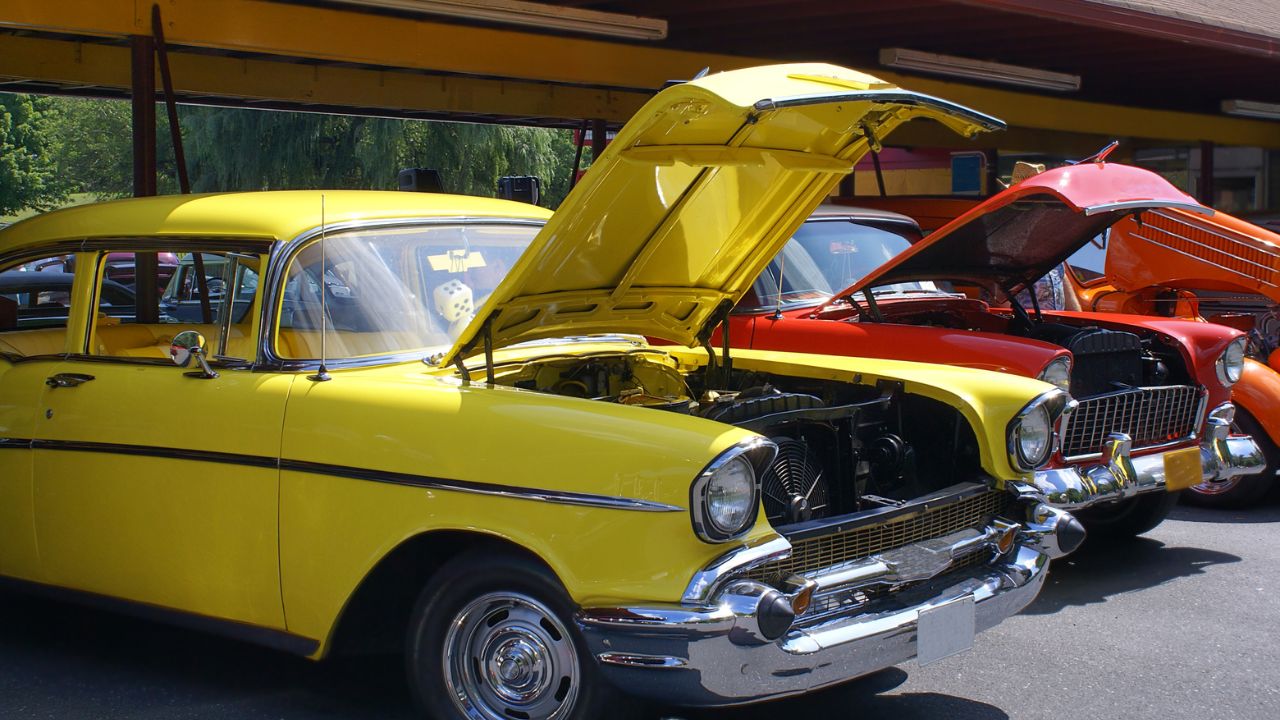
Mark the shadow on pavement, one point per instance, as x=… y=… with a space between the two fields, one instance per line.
x=1094 y=574
x=64 y=660
x=1253 y=515
x=861 y=699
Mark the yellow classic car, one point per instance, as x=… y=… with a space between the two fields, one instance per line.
x=433 y=422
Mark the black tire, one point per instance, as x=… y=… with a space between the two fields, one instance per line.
x=1244 y=490
x=488 y=607
x=1128 y=518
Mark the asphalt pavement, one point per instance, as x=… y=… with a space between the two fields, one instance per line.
x=1181 y=623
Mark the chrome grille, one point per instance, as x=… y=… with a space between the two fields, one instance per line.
x=823 y=551
x=1149 y=416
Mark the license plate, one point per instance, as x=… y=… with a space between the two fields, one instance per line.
x=945 y=630
x=1182 y=469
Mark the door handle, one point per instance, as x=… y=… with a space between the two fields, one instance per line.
x=67 y=380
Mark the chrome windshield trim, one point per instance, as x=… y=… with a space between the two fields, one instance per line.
x=274 y=278
x=732 y=563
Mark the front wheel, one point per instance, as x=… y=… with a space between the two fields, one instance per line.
x=492 y=638
x=1128 y=518
x=1241 y=491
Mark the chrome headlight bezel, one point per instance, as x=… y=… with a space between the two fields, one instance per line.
x=1048 y=408
x=1057 y=373
x=755 y=455
x=1230 y=364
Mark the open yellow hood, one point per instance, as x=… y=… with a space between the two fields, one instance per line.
x=693 y=198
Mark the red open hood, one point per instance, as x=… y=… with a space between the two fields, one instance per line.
x=1015 y=237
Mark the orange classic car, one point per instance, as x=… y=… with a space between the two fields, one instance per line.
x=1220 y=269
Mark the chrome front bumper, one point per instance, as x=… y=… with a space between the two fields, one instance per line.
x=713 y=653
x=1118 y=476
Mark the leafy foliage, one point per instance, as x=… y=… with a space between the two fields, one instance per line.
x=87 y=144
x=28 y=144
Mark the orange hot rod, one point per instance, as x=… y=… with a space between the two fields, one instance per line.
x=1221 y=269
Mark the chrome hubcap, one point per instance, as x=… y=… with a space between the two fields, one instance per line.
x=507 y=655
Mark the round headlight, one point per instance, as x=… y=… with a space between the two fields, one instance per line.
x=731 y=497
x=1058 y=373
x=1033 y=437
x=1230 y=365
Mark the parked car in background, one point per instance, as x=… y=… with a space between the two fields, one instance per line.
x=535 y=508
x=41 y=299
x=1218 y=268
x=1152 y=415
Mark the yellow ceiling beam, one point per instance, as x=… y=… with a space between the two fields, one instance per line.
x=97 y=65
x=294 y=30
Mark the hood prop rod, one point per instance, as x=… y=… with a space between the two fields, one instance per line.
x=719 y=317
x=1016 y=307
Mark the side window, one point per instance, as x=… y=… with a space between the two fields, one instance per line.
x=201 y=291
x=36 y=305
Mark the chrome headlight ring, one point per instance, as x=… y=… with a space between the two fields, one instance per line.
x=724 y=499
x=1057 y=373
x=1230 y=364
x=1030 y=434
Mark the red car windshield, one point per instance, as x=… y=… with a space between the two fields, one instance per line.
x=827 y=255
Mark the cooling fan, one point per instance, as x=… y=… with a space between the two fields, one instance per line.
x=793 y=487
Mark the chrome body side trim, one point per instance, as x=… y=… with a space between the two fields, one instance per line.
x=423 y=481
x=1119 y=476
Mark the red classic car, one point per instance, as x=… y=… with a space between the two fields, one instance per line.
x=1152 y=411
x=1220 y=269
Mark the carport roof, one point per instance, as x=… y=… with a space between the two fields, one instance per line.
x=1252 y=17
x=1175 y=54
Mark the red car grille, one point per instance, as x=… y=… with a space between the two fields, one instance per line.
x=1149 y=416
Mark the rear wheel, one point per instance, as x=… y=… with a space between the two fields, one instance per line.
x=493 y=638
x=1243 y=490
x=1128 y=518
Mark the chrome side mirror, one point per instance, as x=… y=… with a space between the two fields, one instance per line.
x=190 y=344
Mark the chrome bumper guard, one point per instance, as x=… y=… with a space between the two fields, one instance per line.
x=722 y=651
x=1117 y=476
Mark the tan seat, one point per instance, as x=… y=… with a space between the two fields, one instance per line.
x=153 y=340
x=28 y=343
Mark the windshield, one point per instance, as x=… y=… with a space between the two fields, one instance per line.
x=828 y=255
x=393 y=290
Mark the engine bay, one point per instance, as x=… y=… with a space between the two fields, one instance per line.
x=842 y=447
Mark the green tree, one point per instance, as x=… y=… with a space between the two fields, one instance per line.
x=235 y=149
x=29 y=175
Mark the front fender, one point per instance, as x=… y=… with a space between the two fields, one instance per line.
x=1258 y=392
x=400 y=428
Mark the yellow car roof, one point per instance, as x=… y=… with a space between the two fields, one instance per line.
x=274 y=215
